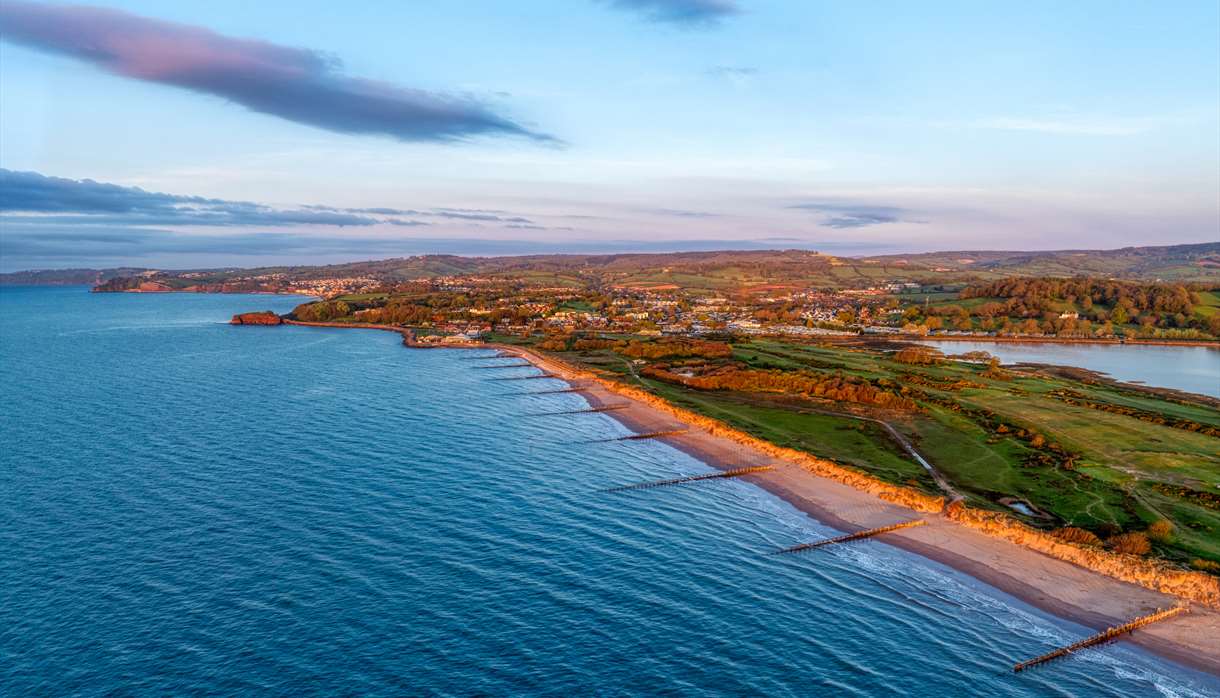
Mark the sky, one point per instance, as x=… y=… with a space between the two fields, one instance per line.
x=223 y=133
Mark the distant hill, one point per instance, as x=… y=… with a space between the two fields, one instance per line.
x=712 y=271
x=66 y=277
x=1199 y=262
x=719 y=270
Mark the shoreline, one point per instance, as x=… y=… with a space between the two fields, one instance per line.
x=1054 y=586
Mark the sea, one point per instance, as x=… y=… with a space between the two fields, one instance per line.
x=193 y=508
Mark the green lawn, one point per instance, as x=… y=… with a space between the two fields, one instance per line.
x=1119 y=461
x=851 y=441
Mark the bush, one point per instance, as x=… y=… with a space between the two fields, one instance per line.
x=1130 y=544
x=677 y=348
x=919 y=356
x=1205 y=565
x=1071 y=534
x=556 y=343
x=1161 y=531
x=809 y=384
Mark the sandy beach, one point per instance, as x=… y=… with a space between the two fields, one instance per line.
x=1055 y=586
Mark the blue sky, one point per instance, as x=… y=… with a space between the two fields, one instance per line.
x=602 y=124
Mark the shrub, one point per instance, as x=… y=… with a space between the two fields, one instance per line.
x=677 y=348
x=1161 y=531
x=1130 y=544
x=1205 y=565
x=809 y=384
x=588 y=344
x=1071 y=534
x=556 y=343
x=920 y=356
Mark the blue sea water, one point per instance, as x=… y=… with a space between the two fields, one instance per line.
x=192 y=508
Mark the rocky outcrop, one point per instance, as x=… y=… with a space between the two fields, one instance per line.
x=266 y=317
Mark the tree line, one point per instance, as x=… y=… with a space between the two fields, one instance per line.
x=1030 y=297
x=832 y=387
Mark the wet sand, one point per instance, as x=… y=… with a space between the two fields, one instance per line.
x=1055 y=586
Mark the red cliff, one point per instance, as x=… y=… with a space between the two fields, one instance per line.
x=264 y=318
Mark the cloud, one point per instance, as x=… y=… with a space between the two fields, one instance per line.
x=680 y=213
x=33 y=199
x=56 y=200
x=465 y=214
x=477 y=215
x=72 y=246
x=296 y=84
x=854 y=215
x=379 y=211
x=691 y=13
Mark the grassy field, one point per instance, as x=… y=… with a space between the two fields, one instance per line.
x=1095 y=469
x=1209 y=303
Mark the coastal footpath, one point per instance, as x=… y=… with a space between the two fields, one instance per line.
x=1094 y=587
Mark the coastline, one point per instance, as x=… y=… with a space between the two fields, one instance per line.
x=1053 y=585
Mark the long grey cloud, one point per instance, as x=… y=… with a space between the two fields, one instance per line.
x=839 y=215
x=681 y=12
x=56 y=246
x=35 y=198
x=464 y=214
x=297 y=84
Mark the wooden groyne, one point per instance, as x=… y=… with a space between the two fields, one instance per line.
x=640 y=437
x=1107 y=635
x=554 y=392
x=604 y=408
x=524 y=378
x=494 y=366
x=738 y=472
x=851 y=536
